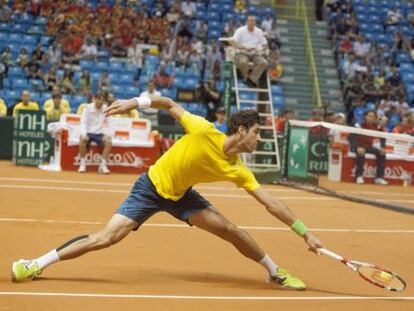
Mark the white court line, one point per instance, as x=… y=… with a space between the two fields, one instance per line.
x=264 y=228
x=319 y=198
x=190 y=297
x=231 y=187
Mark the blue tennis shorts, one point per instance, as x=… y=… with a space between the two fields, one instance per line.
x=144 y=201
x=97 y=138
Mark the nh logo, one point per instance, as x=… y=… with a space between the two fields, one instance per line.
x=31 y=122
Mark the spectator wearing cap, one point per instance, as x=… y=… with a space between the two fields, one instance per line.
x=252 y=47
x=54 y=111
x=25 y=104
x=220 y=122
x=340 y=119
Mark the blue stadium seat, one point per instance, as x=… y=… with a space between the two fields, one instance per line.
x=76 y=100
x=102 y=65
x=20 y=84
x=16 y=71
x=87 y=64
x=131 y=91
x=4 y=27
x=7 y=84
x=36 y=29
x=18 y=28
x=26 y=19
x=12 y=95
x=45 y=40
x=116 y=66
x=15 y=38
x=277 y=90
x=213 y=15
x=29 y=39
x=125 y=78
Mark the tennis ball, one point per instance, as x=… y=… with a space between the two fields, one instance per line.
x=385 y=276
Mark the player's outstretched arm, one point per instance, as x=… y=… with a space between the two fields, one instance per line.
x=122 y=106
x=284 y=214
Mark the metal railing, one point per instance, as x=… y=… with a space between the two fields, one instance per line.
x=317 y=100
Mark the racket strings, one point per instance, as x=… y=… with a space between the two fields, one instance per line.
x=381 y=277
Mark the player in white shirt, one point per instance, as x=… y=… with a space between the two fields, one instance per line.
x=92 y=122
x=252 y=47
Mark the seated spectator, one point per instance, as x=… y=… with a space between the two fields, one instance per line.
x=55 y=53
x=185 y=31
x=23 y=58
x=54 y=111
x=117 y=48
x=211 y=99
x=220 y=122
x=340 y=119
x=213 y=55
x=281 y=121
x=201 y=31
x=104 y=83
x=406 y=126
x=3 y=108
x=88 y=51
x=33 y=69
x=364 y=144
x=51 y=79
x=361 y=47
x=6 y=57
x=240 y=6
x=38 y=52
x=396 y=83
x=45 y=65
x=394 y=17
x=150 y=113
x=64 y=103
x=135 y=54
x=173 y=14
x=182 y=55
x=25 y=104
x=85 y=83
x=71 y=45
x=66 y=85
x=188 y=8
x=267 y=23
x=5 y=12
x=252 y=47
x=92 y=121
x=162 y=79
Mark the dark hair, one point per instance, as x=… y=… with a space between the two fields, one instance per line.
x=246 y=118
x=369 y=111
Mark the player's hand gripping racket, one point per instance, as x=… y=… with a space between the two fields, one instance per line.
x=374 y=274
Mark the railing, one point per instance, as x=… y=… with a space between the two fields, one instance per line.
x=299 y=11
x=317 y=100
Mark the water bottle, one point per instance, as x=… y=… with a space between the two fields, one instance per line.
x=406 y=179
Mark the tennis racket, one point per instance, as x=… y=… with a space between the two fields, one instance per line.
x=374 y=274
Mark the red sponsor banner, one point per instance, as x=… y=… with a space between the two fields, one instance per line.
x=121 y=159
x=139 y=125
x=394 y=170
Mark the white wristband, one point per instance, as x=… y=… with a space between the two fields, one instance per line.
x=143 y=102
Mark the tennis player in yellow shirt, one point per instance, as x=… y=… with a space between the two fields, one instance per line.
x=202 y=155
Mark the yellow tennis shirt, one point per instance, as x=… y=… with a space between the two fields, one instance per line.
x=195 y=158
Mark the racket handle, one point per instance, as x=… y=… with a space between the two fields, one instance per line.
x=329 y=253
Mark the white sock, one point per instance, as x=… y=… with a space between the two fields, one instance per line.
x=47 y=259
x=268 y=264
x=103 y=162
x=82 y=161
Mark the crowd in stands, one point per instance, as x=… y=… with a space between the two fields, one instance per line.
x=115 y=48
x=373 y=43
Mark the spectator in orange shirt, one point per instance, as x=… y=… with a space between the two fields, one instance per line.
x=281 y=122
x=406 y=126
x=162 y=79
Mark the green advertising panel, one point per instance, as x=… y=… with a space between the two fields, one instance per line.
x=297 y=162
x=30 y=142
x=318 y=154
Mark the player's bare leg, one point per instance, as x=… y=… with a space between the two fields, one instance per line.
x=114 y=231
x=211 y=220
